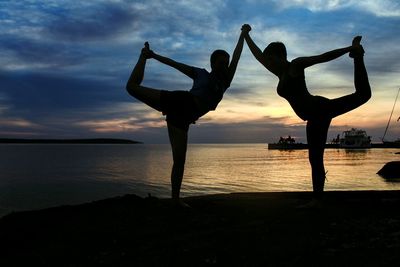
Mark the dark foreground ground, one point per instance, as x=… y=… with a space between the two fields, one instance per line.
x=249 y=229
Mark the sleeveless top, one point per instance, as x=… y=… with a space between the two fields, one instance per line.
x=294 y=90
x=207 y=89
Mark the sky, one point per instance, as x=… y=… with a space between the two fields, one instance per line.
x=64 y=65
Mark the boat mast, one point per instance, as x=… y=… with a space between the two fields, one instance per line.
x=387 y=126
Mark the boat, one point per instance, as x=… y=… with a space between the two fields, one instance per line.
x=355 y=138
x=287 y=143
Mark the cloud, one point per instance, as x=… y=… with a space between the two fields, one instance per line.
x=48 y=99
x=11 y=124
x=266 y=129
x=25 y=53
x=64 y=64
x=120 y=125
x=385 y=8
x=95 y=22
x=314 y=5
x=382 y=8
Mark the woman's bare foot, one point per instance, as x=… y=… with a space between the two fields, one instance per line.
x=180 y=204
x=315 y=203
x=357 y=49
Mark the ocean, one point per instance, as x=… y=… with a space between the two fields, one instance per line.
x=34 y=176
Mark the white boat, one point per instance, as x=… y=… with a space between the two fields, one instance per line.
x=355 y=138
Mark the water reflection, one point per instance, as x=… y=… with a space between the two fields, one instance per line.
x=391 y=180
x=34 y=176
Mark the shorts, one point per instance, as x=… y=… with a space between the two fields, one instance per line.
x=180 y=108
x=314 y=108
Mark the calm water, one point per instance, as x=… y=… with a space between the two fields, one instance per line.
x=38 y=176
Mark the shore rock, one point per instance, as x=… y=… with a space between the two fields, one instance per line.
x=390 y=170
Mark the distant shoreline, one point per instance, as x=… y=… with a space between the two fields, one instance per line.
x=68 y=141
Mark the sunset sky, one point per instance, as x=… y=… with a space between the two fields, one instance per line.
x=64 y=65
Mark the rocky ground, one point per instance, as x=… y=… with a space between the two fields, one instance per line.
x=359 y=228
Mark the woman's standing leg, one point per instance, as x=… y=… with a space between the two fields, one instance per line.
x=317 y=131
x=178 y=138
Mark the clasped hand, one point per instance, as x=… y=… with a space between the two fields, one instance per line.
x=246 y=28
x=146 y=52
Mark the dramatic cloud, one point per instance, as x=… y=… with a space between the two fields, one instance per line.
x=384 y=8
x=93 y=23
x=64 y=64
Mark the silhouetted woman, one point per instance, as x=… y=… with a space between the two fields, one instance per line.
x=318 y=111
x=183 y=108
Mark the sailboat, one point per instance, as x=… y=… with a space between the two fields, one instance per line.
x=395 y=143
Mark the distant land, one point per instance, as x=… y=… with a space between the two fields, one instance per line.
x=67 y=141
